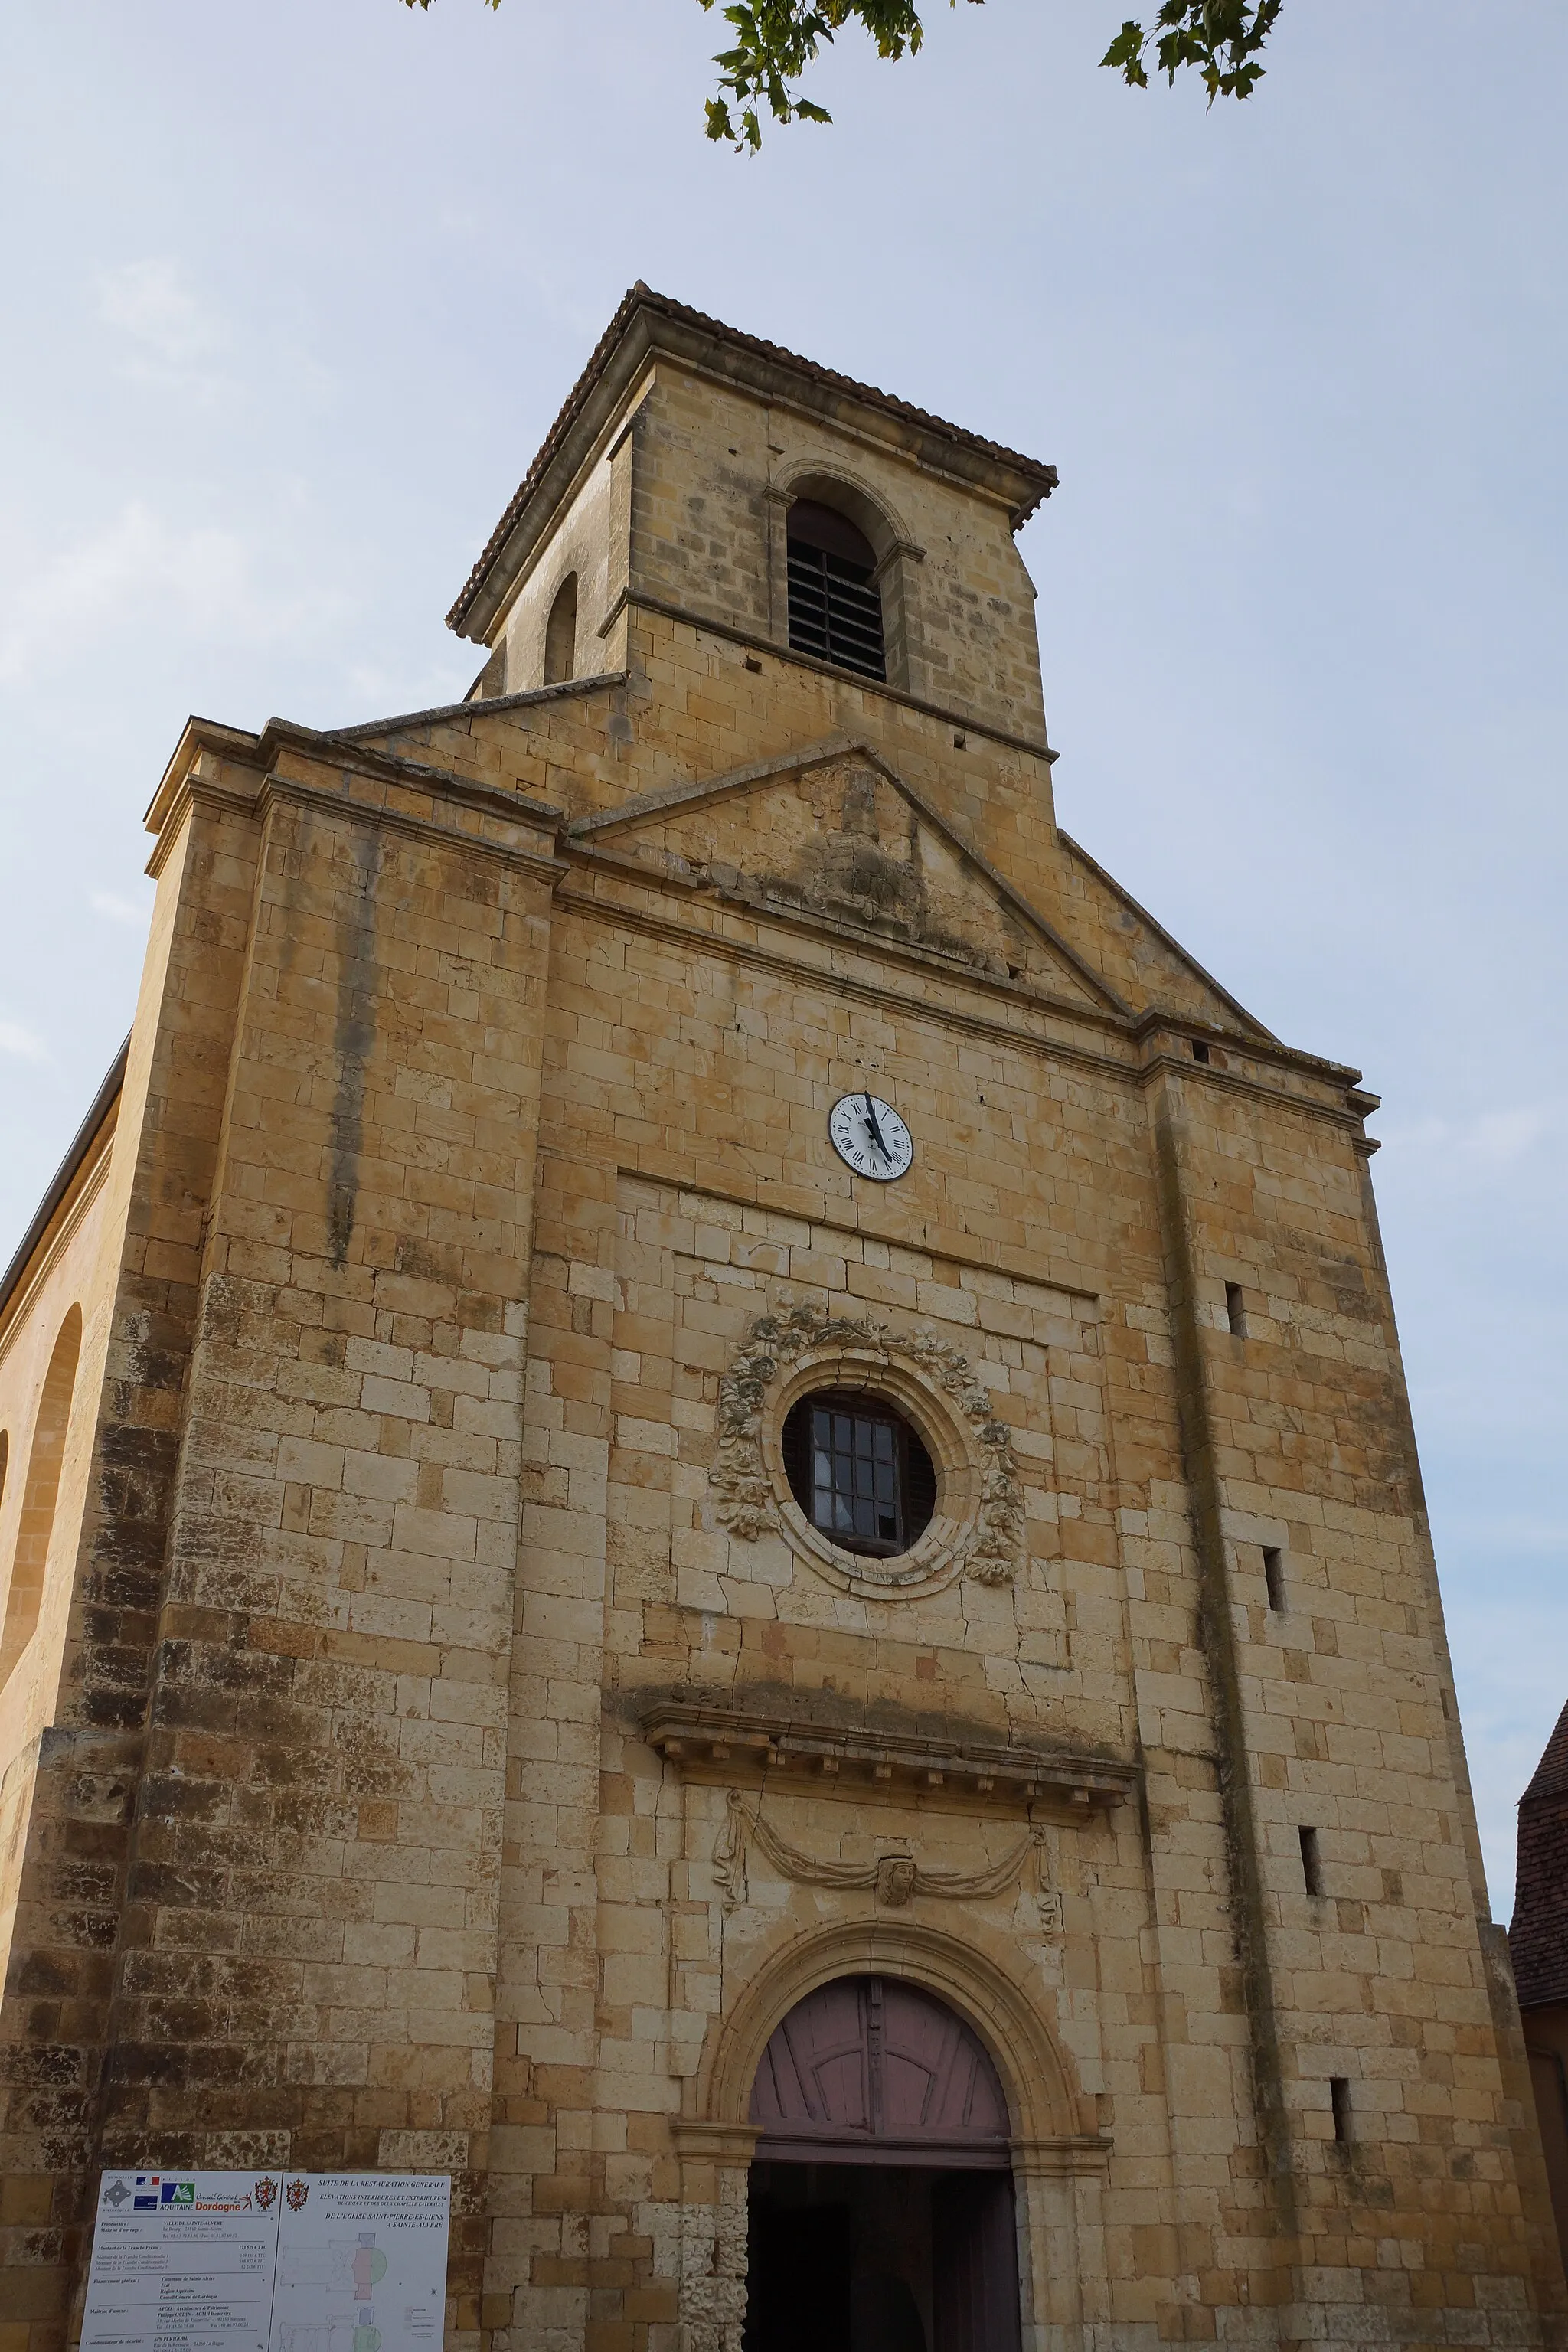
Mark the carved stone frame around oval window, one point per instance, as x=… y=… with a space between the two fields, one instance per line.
x=978 y=1523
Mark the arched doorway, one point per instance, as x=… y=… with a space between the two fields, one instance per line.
x=881 y=2214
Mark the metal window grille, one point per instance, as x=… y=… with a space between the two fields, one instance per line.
x=834 y=610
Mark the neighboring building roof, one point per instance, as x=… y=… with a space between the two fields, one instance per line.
x=65 y=1176
x=1032 y=480
x=1537 y=1933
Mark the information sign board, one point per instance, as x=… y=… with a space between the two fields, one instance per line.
x=268 y=2262
x=183 y=2261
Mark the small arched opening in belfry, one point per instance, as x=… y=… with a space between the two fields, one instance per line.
x=29 y=1559
x=561 y=634
x=881 y=2213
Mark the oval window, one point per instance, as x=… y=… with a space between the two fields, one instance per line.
x=859 y=1471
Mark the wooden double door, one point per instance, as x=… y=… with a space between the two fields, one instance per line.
x=881 y=2199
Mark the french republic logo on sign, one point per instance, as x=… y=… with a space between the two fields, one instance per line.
x=156 y=2189
x=296 y=2192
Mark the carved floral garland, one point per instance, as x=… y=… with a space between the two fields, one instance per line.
x=896 y=1877
x=747 y=1506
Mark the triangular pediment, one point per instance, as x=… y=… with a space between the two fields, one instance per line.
x=834 y=832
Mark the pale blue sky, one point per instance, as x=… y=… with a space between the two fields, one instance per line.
x=290 y=292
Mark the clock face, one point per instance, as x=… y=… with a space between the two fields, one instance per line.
x=870 y=1137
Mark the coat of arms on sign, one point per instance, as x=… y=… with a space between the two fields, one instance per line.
x=298 y=2190
x=265 y=2190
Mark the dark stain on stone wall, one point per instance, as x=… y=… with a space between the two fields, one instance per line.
x=1218 y=1637
x=353 y=1033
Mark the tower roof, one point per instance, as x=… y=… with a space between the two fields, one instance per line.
x=1537 y=1933
x=645 y=322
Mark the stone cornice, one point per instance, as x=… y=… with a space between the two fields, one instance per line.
x=714 y=1743
x=711 y=2143
x=391 y=818
x=286 y=762
x=77 y=1183
x=1052 y=2159
x=484 y=706
x=258 y=755
x=946 y=713
x=722 y=939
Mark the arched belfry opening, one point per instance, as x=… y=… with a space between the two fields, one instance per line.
x=561 y=634
x=834 y=597
x=881 y=2210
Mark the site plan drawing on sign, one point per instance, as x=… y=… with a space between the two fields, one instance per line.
x=362 y=2262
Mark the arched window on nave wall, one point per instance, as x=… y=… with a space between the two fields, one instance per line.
x=24 y=1593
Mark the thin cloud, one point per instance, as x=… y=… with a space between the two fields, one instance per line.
x=1492 y=1138
x=140 y=571
x=171 y=340
x=118 y=910
x=14 y=1038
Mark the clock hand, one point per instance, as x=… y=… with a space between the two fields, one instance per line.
x=876 y=1130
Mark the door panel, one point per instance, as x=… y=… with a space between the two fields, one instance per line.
x=797 y=2279
x=869 y=2058
x=975 y=2263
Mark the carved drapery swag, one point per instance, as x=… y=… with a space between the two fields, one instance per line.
x=747 y=1504
x=897 y=1877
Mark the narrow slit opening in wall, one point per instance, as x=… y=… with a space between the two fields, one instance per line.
x=1235 y=1310
x=1311 y=1866
x=1340 y=2100
x=1274 y=1575
x=1200 y=1051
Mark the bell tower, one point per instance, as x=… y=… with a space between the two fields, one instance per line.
x=697 y=473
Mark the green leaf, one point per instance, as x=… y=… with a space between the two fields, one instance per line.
x=775 y=41
x=1218 y=40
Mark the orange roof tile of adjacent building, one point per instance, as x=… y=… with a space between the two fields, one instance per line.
x=1042 y=477
x=1537 y=1933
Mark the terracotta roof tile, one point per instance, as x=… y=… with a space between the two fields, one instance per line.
x=1537 y=1933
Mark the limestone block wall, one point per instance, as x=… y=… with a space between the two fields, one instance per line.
x=716 y=469
x=74 y=1845
x=296 y=1825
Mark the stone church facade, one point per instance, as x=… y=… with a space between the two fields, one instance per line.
x=794 y=1721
